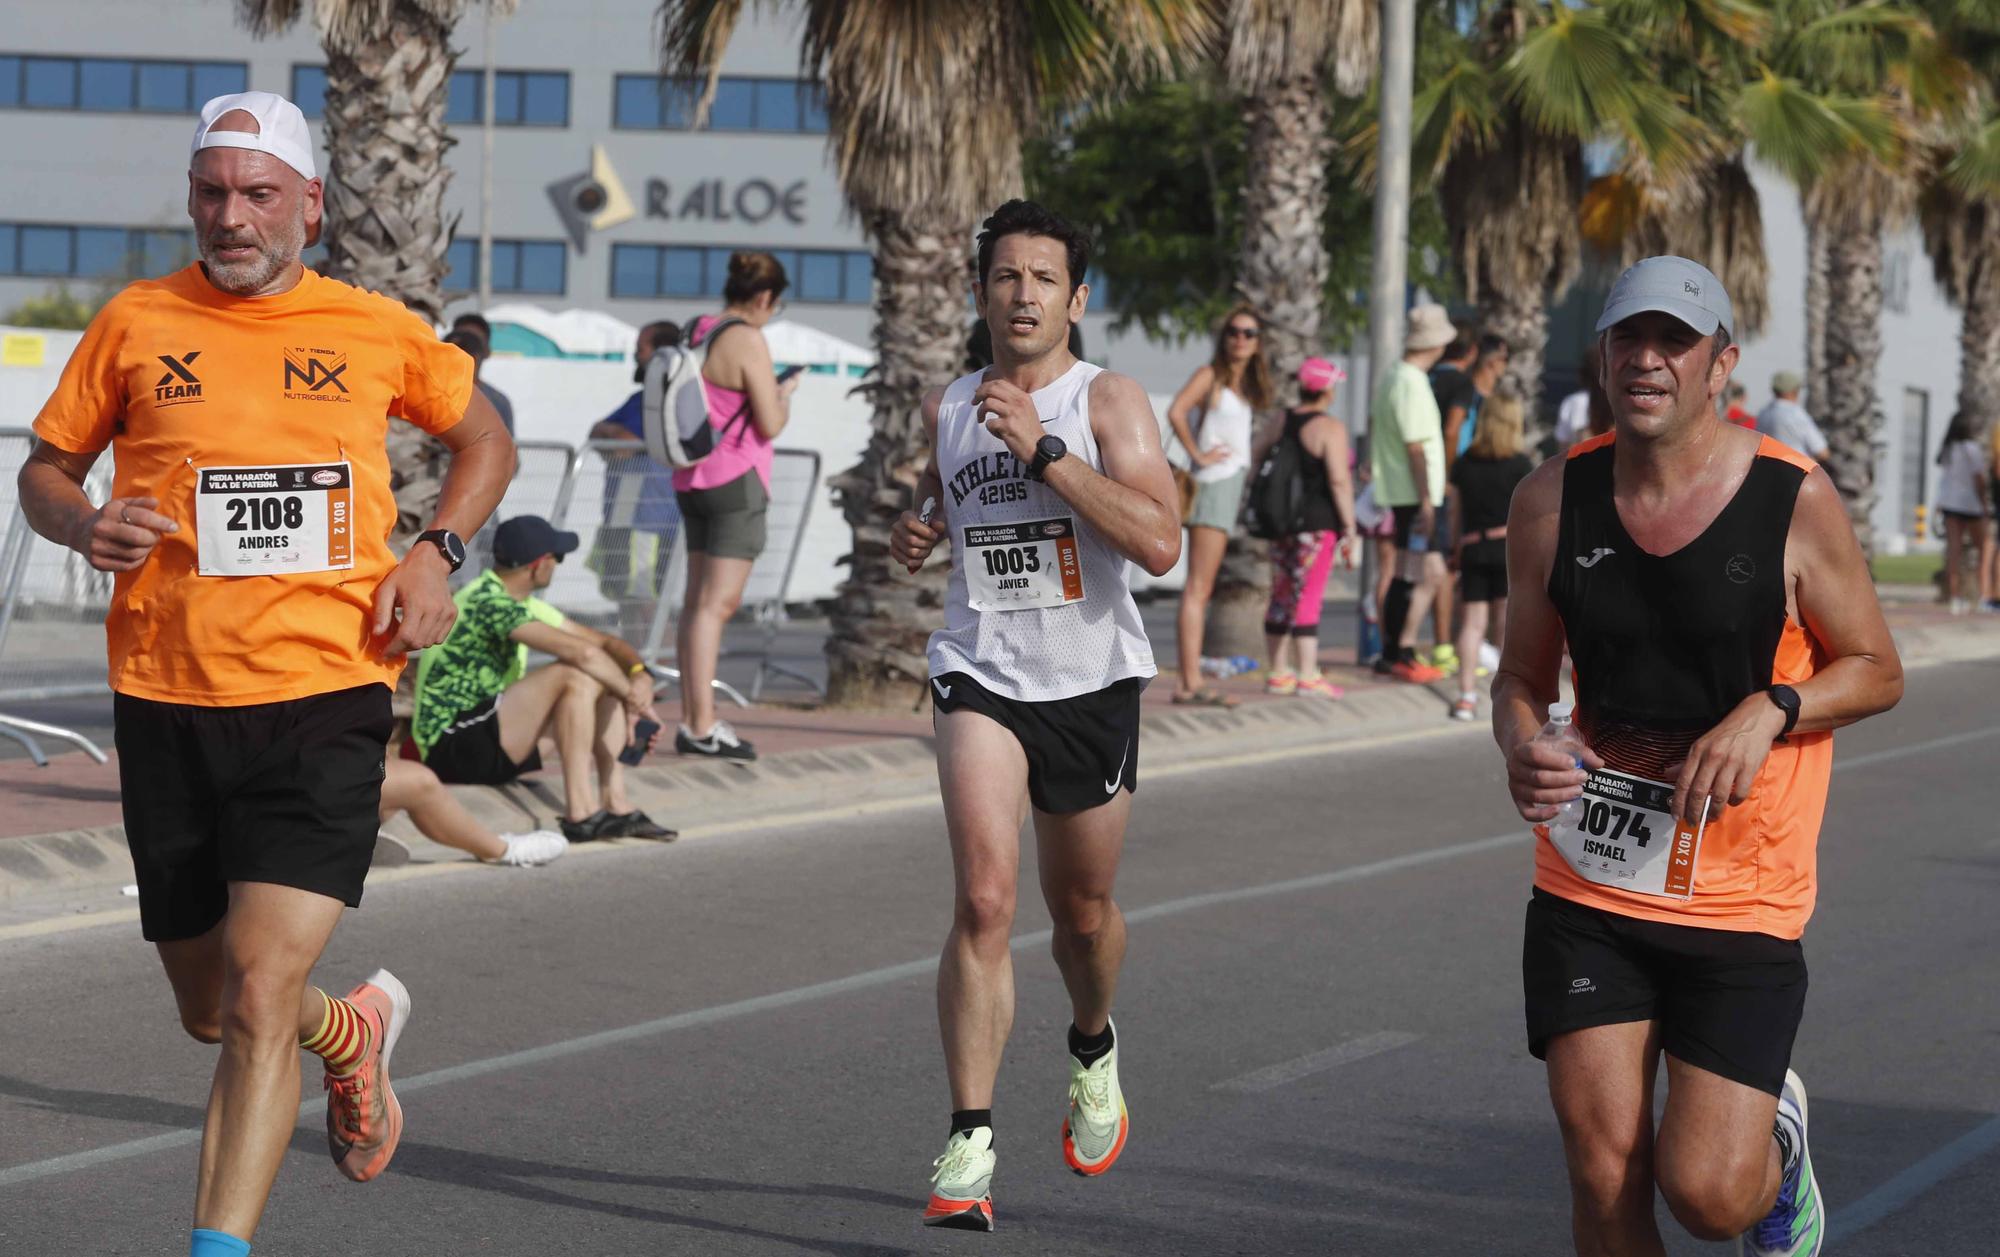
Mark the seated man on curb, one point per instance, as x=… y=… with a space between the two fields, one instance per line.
x=481 y=712
x=410 y=786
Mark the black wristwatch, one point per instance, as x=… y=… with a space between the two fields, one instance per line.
x=1047 y=450
x=448 y=544
x=1787 y=700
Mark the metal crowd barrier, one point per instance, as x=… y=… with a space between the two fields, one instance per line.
x=794 y=484
x=52 y=609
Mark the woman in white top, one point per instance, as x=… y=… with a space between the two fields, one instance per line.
x=1962 y=504
x=1212 y=415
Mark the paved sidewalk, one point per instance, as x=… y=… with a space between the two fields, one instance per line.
x=60 y=826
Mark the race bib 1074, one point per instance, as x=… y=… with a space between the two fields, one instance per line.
x=1627 y=837
x=1010 y=567
x=274 y=521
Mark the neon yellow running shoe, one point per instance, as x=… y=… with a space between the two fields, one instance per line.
x=1094 y=1132
x=961 y=1184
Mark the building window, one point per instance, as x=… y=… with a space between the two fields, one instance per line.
x=644 y=102
x=116 y=84
x=519 y=266
x=60 y=251
x=820 y=276
x=521 y=98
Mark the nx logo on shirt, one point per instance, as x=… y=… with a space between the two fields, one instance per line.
x=179 y=385
x=313 y=375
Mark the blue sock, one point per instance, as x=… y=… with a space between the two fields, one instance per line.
x=217 y=1244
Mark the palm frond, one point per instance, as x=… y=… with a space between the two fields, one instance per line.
x=343 y=25
x=1577 y=77
x=1803 y=132
x=1974 y=170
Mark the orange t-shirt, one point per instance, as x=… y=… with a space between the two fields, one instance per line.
x=175 y=376
x=1679 y=633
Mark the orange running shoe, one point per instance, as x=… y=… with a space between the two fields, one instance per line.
x=1415 y=671
x=364 y=1121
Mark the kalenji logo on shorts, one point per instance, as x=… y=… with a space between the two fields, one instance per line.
x=179 y=385
x=313 y=375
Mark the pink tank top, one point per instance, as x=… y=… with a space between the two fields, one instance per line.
x=742 y=447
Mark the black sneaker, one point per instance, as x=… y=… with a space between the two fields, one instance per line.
x=598 y=825
x=721 y=742
x=637 y=824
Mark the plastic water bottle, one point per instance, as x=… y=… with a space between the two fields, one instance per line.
x=1239 y=664
x=1560 y=733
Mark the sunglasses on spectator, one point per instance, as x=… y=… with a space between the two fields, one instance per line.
x=1242 y=333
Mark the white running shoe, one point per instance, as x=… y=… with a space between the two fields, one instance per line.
x=1094 y=1132
x=720 y=742
x=529 y=850
x=962 y=1182
x=1796 y=1225
x=1489 y=657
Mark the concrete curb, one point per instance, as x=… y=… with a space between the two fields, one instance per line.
x=695 y=797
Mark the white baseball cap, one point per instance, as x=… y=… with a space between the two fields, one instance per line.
x=281 y=130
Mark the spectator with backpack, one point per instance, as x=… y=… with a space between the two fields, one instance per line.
x=1302 y=501
x=1483 y=482
x=719 y=440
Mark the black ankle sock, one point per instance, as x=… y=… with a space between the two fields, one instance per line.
x=1395 y=614
x=1090 y=1048
x=969 y=1120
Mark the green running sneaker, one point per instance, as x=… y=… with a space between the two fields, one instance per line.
x=1796 y=1225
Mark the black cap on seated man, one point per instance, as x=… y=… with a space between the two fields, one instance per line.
x=525 y=538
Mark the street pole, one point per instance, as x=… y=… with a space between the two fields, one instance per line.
x=1392 y=228
x=486 y=173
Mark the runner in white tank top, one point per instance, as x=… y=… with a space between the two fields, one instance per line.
x=1017 y=619
x=1047 y=475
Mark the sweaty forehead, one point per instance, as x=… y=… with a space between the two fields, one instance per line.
x=242 y=168
x=1031 y=252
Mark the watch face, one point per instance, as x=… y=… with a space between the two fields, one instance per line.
x=1051 y=448
x=454 y=548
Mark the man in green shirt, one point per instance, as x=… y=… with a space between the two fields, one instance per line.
x=481 y=711
x=1406 y=455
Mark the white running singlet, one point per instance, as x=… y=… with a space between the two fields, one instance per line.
x=1039 y=606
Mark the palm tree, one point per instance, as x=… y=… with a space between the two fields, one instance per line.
x=388 y=76
x=1501 y=129
x=1959 y=211
x=1842 y=95
x=1280 y=55
x=928 y=106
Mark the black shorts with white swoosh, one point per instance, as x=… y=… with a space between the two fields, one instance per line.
x=1081 y=751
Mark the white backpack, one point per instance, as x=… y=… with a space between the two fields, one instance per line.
x=680 y=431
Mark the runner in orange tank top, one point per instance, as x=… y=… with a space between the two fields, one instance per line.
x=1722 y=623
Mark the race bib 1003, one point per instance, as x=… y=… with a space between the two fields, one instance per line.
x=274 y=521
x=1628 y=837
x=1009 y=567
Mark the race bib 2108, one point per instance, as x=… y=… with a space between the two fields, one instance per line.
x=274 y=521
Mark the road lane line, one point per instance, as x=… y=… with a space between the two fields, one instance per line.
x=1274 y=1076
x=35 y=1170
x=1914 y=1181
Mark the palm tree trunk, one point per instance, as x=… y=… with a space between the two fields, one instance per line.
x=1816 y=383
x=386 y=227
x=1520 y=316
x=1282 y=271
x=882 y=616
x=1979 y=346
x=1852 y=417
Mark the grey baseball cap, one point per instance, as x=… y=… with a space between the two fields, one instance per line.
x=1673 y=285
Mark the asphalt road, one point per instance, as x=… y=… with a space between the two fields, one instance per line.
x=727 y=1046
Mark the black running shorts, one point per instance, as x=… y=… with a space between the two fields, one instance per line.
x=469 y=753
x=1727 y=1001
x=1081 y=751
x=286 y=793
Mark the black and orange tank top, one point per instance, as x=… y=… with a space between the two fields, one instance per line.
x=1663 y=647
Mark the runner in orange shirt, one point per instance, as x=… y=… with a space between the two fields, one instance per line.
x=1708 y=586
x=258 y=625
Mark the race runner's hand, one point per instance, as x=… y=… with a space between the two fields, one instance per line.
x=1723 y=765
x=122 y=533
x=911 y=540
x=1008 y=411
x=415 y=601
x=1541 y=777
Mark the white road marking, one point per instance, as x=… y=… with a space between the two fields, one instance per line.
x=1914 y=1181
x=1273 y=1076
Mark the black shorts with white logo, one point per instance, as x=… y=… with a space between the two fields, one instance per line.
x=286 y=793
x=1081 y=751
x=1727 y=1001
x=469 y=753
